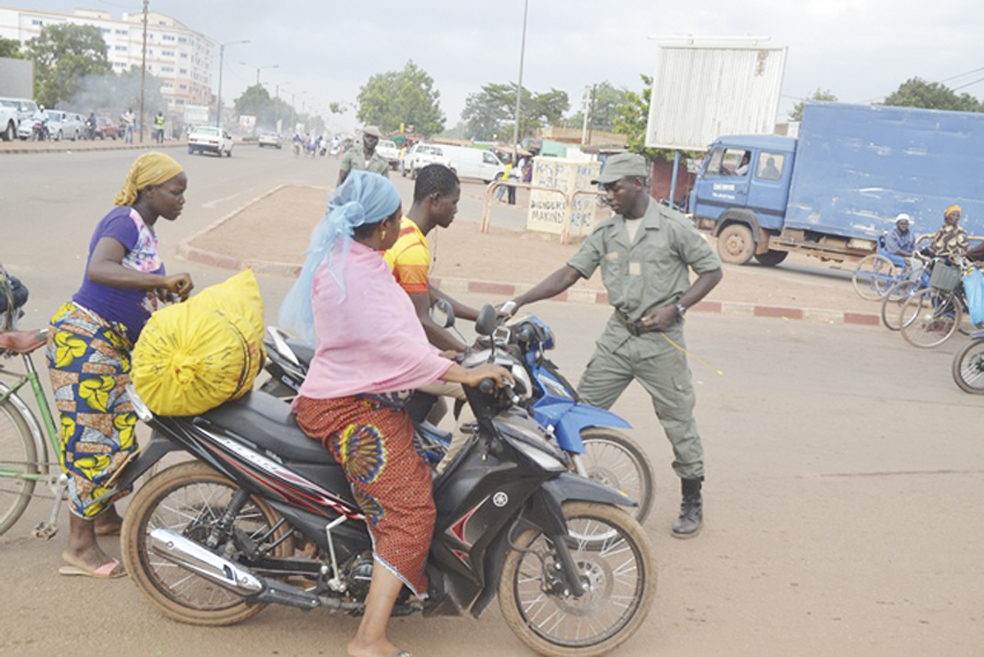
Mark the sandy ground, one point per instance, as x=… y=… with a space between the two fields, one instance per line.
x=288 y=214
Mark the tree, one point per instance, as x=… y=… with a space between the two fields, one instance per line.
x=631 y=119
x=487 y=113
x=605 y=100
x=403 y=97
x=916 y=92
x=63 y=55
x=820 y=94
x=10 y=48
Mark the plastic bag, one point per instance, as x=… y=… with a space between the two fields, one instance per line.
x=194 y=356
x=973 y=282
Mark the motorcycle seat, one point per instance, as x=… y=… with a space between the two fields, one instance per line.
x=267 y=421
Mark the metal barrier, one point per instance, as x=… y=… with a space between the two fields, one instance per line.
x=568 y=203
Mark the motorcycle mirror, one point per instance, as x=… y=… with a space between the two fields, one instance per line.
x=486 y=322
x=442 y=307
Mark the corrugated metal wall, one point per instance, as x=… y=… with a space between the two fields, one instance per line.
x=702 y=93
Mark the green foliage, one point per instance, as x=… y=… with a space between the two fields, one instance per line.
x=490 y=113
x=63 y=55
x=407 y=97
x=932 y=95
x=796 y=114
x=605 y=101
x=631 y=118
x=10 y=48
x=256 y=101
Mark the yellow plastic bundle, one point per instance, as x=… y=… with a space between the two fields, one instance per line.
x=195 y=355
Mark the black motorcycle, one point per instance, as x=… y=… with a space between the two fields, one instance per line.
x=265 y=515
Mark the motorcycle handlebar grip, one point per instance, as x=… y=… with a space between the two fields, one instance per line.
x=487 y=386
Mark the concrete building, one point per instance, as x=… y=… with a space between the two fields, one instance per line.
x=177 y=55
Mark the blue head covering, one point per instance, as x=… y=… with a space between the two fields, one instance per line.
x=364 y=198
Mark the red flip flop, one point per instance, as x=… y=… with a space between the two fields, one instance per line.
x=109 y=570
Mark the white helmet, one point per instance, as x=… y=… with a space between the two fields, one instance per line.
x=903 y=217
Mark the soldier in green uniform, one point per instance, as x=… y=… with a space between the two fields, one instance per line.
x=366 y=158
x=645 y=255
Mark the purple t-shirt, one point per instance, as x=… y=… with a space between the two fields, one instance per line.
x=132 y=308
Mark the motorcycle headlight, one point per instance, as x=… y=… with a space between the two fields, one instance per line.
x=523 y=387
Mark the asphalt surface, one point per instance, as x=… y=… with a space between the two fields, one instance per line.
x=844 y=473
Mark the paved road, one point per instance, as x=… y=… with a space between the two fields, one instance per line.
x=842 y=500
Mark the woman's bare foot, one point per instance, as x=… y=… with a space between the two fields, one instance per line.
x=379 y=649
x=83 y=551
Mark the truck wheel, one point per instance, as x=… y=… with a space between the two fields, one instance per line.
x=771 y=258
x=736 y=245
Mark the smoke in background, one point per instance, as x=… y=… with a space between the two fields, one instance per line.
x=111 y=95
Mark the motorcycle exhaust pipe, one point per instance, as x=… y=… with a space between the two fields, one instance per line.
x=192 y=557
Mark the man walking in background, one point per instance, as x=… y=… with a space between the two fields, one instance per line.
x=365 y=158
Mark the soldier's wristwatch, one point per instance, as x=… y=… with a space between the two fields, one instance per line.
x=681 y=311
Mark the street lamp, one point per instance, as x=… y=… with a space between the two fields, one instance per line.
x=259 y=68
x=218 y=113
x=519 y=87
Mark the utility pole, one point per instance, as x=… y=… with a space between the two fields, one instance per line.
x=586 y=108
x=143 y=69
x=218 y=110
x=519 y=87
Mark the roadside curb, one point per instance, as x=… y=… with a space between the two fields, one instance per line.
x=475 y=286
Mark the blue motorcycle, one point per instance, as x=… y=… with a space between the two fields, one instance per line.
x=588 y=434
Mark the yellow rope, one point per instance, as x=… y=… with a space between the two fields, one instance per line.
x=690 y=355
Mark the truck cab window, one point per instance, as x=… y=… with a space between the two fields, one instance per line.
x=770 y=166
x=728 y=162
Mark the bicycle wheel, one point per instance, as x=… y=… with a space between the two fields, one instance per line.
x=968 y=367
x=891 y=310
x=17 y=455
x=930 y=317
x=874 y=275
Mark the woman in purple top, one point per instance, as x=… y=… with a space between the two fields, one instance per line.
x=89 y=352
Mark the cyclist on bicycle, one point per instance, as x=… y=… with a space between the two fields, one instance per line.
x=900 y=242
x=950 y=241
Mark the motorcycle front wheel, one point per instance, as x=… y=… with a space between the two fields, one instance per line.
x=968 y=367
x=612 y=458
x=620 y=574
x=190 y=498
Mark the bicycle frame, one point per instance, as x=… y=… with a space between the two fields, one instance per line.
x=48 y=471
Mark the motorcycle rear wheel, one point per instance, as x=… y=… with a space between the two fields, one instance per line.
x=968 y=367
x=614 y=459
x=189 y=498
x=622 y=568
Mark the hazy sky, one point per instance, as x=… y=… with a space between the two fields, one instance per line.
x=861 y=50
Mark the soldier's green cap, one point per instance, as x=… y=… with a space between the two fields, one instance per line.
x=622 y=165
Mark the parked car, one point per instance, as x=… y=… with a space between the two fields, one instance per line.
x=106 y=129
x=26 y=113
x=9 y=118
x=272 y=139
x=388 y=149
x=420 y=155
x=209 y=139
x=65 y=125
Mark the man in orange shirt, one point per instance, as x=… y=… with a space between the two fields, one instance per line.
x=435 y=202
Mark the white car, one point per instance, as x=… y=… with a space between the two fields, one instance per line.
x=388 y=149
x=65 y=125
x=209 y=139
x=9 y=118
x=270 y=139
x=421 y=155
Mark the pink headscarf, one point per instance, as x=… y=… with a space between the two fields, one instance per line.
x=372 y=341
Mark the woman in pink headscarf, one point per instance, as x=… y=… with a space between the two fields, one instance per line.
x=370 y=353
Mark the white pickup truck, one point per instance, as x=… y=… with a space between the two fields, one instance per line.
x=9 y=118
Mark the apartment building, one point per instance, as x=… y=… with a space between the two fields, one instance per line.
x=177 y=55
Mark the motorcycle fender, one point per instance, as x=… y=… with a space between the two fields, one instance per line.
x=569 y=486
x=581 y=416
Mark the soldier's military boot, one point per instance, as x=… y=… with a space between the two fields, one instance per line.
x=691 y=510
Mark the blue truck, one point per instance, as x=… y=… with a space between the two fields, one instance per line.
x=836 y=188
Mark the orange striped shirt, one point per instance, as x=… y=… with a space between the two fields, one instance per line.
x=410 y=258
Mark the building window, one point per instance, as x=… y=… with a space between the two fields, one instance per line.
x=183 y=71
x=182 y=87
x=167 y=53
x=120 y=47
x=167 y=69
x=105 y=30
x=38 y=23
x=168 y=37
x=124 y=32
